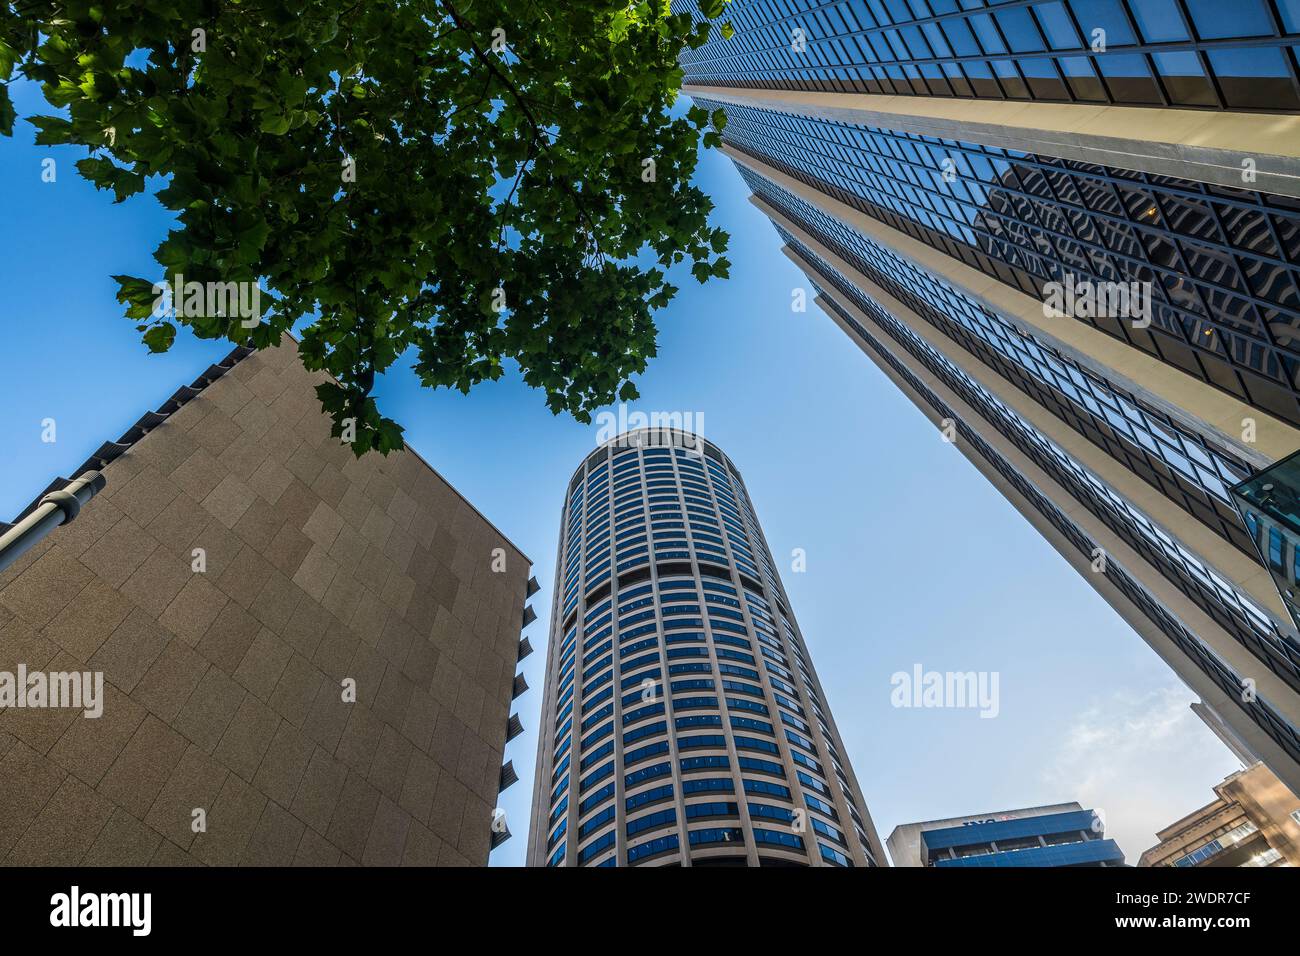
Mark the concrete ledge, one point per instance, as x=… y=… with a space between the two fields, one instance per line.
x=1200 y=145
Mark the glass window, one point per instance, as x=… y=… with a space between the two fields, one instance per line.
x=987 y=33
x=1082 y=78
x=1019 y=29
x=1105 y=15
x=1158 y=20
x=1184 y=79
x=1276 y=549
x=1290 y=13
x=1216 y=19
x=1056 y=25
x=1128 y=78
x=1254 y=78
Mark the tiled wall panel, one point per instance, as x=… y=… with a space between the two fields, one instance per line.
x=224 y=689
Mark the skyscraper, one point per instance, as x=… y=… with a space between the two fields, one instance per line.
x=1069 y=231
x=682 y=721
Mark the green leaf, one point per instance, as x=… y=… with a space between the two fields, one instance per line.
x=52 y=130
x=160 y=337
x=276 y=124
x=7 y=113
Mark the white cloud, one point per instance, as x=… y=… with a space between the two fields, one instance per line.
x=1144 y=760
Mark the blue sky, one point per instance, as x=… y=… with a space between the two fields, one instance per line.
x=912 y=557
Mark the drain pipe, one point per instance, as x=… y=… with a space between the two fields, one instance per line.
x=56 y=508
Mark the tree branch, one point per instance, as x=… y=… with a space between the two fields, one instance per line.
x=522 y=102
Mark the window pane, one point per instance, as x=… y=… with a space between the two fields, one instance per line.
x=1081 y=76
x=1215 y=19
x=1128 y=78
x=1056 y=24
x=1255 y=78
x=1290 y=11
x=1018 y=27
x=1185 y=79
x=1107 y=15
x=1158 y=20
x=988 y=34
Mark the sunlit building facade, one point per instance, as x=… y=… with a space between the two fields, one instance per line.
x=682 y=720
x=1254 y=820
x=1069 y=231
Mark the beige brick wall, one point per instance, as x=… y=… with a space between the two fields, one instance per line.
x=223 y=689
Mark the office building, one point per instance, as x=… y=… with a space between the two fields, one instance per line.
x=682 y=720
x=1254 y=820
x=306 y=658
x=1064 y=834
x=1227 y=736
x=1069 y=232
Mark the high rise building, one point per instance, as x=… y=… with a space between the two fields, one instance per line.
x=305 y=657
x=1069 y=232
x=1063 y=834
x=682 y=721
x=1227 y=736
x=1254 y=820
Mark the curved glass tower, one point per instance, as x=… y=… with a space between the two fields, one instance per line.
x=682 y=721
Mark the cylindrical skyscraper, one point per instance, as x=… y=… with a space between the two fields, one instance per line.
x=682 y=722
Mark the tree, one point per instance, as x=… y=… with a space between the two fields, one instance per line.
x=474 y=180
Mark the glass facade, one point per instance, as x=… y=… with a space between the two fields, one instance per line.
x=1083 y=853
x=944 y=257
x=1190 y=54
x=1269 y=503
x=1239 y=615
x=1073 y=838
x=683 y=722
x=1222 y=264
x=1187 y=467
x=1259 y=710
x=1062 y=834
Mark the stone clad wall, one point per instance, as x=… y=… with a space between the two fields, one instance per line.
x=223 y=689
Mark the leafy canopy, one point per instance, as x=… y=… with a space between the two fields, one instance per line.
x=477 y=180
